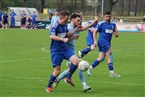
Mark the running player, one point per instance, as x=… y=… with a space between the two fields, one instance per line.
x=106 y=29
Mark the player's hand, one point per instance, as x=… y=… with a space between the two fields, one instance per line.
x=76 y=36
x=116 y=35
x=65 y=40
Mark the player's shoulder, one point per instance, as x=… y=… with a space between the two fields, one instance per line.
x=101 y=22
x=55 y=24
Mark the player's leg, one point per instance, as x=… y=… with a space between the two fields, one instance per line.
x=53 y=76
x=83 y=81
x=56 y=62
x=95 y=63
x=85 y=51
x=110 y=63
x=75 y=61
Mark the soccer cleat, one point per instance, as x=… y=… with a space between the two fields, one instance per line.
x=114 y=75
x=86 y=88
x=69 y=81
x=55 y=83
x=89 y=72
x=80 y=54
x=49 y=89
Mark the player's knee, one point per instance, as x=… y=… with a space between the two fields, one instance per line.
x=56 y=72
x=76 y=62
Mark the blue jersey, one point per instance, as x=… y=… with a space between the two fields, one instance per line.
x=33 y=18
x=89 y=37
x=60 y=31
x=12 y=14
x=71 y=43
x=1 y=16
x=105 y=32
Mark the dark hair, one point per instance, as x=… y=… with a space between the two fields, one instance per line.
x=73 y=16
x=64 y=13
x=107 y=13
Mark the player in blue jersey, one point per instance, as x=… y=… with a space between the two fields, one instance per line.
x=75 y=20
x=106 y=29
x=33 y=18
x=12 y=18
x=1 y=24
x=90 y=39
x=59 y=50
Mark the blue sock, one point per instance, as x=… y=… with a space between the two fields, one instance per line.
x=52 y=78
x=111 y=56
x=110 y=66
x=63 y=75
x=85 y=51
x=102 y=59
x=71 y=71
x=81 y=76
x=95 y=63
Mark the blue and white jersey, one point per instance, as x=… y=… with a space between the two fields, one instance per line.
x=105 y=32
x=71 y=43
x=89 y=37
x=60 y=31
x=54 y=18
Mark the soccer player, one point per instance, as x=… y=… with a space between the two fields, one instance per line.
x=1 y=24
x=33 y=17
x=90 y=39
x=59 y=49
x=12 y=18
x=55 y=17
x=75 y=20
x=5 y=20
x=106 y=29
x=23 y=20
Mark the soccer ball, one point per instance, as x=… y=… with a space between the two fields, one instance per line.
x=83 y=65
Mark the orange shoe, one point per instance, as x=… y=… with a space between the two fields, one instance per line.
x=49 y=89
x=69 y=81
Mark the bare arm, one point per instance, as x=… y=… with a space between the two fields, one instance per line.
x=94 y=37
x=116 y=34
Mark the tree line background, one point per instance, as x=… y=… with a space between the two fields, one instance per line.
x=88 y=7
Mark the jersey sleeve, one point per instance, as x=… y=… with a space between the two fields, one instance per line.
x=53 y=28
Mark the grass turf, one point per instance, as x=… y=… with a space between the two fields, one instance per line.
x=26 y=66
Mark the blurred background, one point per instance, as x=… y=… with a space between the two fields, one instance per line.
x=88 y=7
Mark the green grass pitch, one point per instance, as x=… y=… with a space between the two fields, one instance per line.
x=25 y=66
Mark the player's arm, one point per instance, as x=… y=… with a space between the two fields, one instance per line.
x=54 y=37
x=94 y=36
x=70 y=33
x=116 y=34
x=90 y=25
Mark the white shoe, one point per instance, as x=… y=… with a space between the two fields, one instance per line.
x=89 y=72
x=114 y=75
x=86 y=88
x=80 y=54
